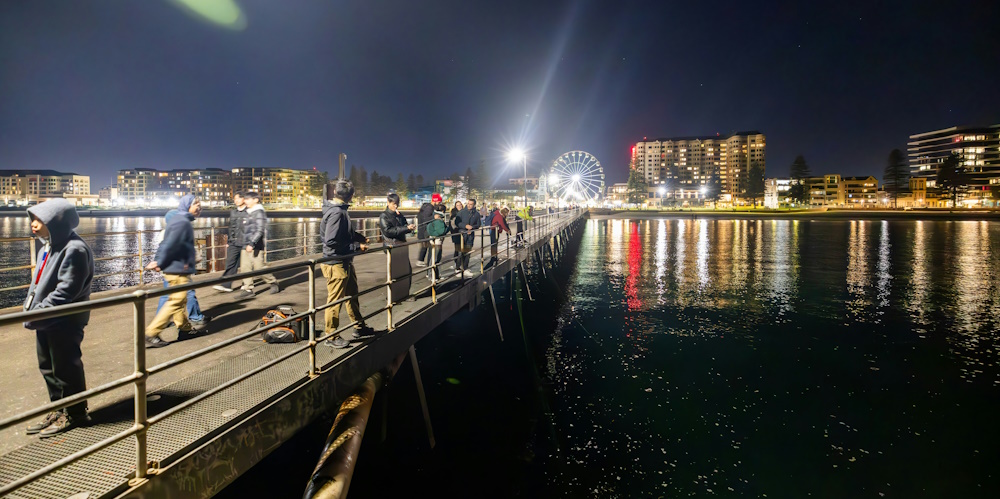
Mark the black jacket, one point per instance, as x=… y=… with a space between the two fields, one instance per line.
x=335 y=231
x=393 y=226
x=236 y=220
x=255 y=228
x=424 y=217
x=469 y=217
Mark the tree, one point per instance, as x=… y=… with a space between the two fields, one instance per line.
x=361 y=187
x=469 y=182
x=896 y=174
x=951 y=177
x=411 y=183
x=755 y=183
x=799 y=173
x=420 y=180
x=636 y=187
x=400 y=186
x=483 y=183
x=380 y=184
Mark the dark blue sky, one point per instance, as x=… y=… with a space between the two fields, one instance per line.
x=434 y=86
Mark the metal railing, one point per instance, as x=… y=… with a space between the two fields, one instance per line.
x=141 y=372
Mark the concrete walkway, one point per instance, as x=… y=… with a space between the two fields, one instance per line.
x=107 y=347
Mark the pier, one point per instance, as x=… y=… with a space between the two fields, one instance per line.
x=186 y=420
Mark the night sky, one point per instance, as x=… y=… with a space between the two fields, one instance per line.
x=432 y=87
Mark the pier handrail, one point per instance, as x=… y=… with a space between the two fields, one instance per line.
x=141 y=373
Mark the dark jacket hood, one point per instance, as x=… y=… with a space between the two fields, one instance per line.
x=59 y=216
x=185 y=203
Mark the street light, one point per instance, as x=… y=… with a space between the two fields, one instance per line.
x=516 y=155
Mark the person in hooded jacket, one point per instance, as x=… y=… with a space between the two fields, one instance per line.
x=199 y=321
x=63 y=275
x=175 y=259
x=340 y=240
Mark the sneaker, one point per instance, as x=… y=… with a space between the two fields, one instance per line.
x=468 y=274
x=62 y=424
x=421 y=264
x=275 y=289
x=245 y=294
x=191 y=333
x=44 y=423
x=337 y=342
x=224 y=289
x=458 y=271
x=200 y=325
x=156 y=342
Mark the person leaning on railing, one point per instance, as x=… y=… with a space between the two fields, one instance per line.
x=340 y=240
x=394 y=229
x=469 y=221
x=175 y=259
x=64 y=274
x=237 y=218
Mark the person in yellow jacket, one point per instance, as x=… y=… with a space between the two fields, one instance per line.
x=522 y=216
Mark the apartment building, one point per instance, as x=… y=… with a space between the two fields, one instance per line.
x=23 y=186
x=836 y=191
x=282 y=187
x=776 y=192
x=133 y=184
x=979 y=147
x=682 y=166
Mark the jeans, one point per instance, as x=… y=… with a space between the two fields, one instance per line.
x=193 y=309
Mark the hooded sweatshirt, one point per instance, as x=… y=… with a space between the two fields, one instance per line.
x=65 y=265
x=335 y=231
x=176 y=253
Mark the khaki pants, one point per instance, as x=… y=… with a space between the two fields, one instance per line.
x=254 y=261
x=340 y=281
x=174 y=309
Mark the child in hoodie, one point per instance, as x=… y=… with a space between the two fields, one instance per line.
x=63 y=274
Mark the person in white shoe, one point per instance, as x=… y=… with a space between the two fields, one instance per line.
x=235 y=246
x=254 y=235
x=470 y=221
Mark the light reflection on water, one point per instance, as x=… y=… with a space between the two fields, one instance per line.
x=787 y=358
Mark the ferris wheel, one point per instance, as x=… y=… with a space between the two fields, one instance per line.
x=577 y=176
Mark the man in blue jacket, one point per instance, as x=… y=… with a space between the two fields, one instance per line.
x=63 y=274
x=199 y=321
x=175 y=258
x=339 y=239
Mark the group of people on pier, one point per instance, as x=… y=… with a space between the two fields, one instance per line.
x=64 y=273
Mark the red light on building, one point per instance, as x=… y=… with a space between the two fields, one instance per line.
x=633 y=151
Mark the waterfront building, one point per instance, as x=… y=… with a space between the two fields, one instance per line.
x=532 y=182
x=617 y=193
x=776 y=192
x=280 y=187
x=133 y=183
x=684 y=167
x=978 y=146
x=860 y=191
x=833 y=190
x=20 y=187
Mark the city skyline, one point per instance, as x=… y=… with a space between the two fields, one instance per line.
x=451 y=85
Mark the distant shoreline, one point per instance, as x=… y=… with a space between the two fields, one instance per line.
x=937 y=214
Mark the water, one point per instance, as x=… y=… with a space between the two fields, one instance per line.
x=709 y=357
x=116 y=250
x=786 y=358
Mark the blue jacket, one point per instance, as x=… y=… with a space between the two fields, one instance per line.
x=68 y=268
x=176 y=253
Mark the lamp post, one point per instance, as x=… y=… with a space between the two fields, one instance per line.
x=518 y=155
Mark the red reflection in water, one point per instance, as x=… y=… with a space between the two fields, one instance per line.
x=634 y=261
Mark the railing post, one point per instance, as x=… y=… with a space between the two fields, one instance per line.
x=305 y=240
x=211 y=250
x=434 y=271
x=311 y=323
x=139 y=346
x=142 y=266
x=481 y=253
x=34 y=257
x=388 y=287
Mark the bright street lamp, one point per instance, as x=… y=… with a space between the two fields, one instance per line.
x=517 y=154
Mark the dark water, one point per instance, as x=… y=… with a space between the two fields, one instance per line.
x=733 y=358
x=116 y=246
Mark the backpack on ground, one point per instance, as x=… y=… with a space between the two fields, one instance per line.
x=287 y=333
x=437 y=228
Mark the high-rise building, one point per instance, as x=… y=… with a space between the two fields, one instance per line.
x=979 y=148
x=684 y=167
x=133 y=183
x=280 y=186
x=23 y=186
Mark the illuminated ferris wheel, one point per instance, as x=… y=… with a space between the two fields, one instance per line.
x=577 y=176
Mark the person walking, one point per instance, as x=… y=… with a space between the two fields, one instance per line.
x=254 y=235
x=394 y=230
x=454 y=223
x=64 y=273
x=175 y=258
x=498 y=224
x=237 y=217
x=340 y=240
x=199 y=321
x=470 y=221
